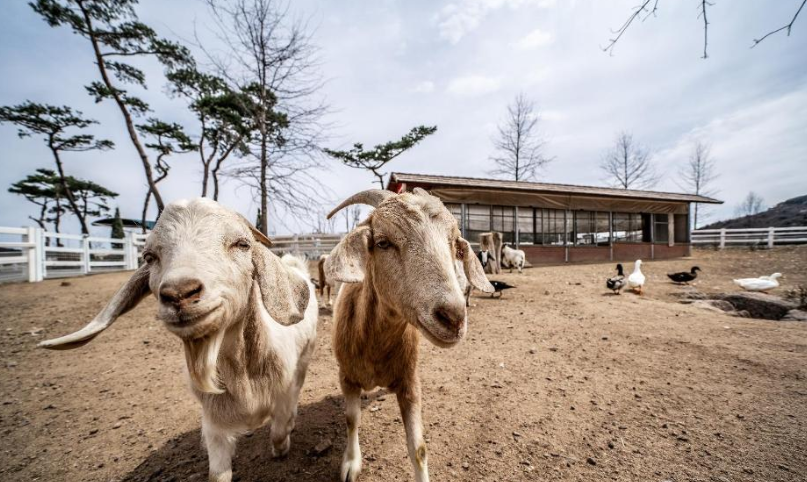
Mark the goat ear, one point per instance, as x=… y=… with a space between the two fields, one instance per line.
x=284 y=292
x=124 y=300
x=473 y=267
x=256 y=233
x=347 y=260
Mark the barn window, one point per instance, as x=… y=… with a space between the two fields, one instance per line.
x=591 y=228
x=503 y=221
x=478 y=221
x=629 y=228
x=661 y=229
x=526 y=225
x=550 y=227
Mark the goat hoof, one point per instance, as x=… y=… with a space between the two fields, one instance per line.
x=221 y=477
x=281 y=450
x=350 y=470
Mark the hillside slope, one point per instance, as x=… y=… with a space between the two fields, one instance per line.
x=792 y=212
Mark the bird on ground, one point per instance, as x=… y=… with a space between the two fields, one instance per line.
x=636 y=279
x=499 y=286
x=683 y=276
x=618 y=282
x=763 y=283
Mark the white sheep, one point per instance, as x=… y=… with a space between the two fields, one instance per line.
x=401 y=271
x=513 y=258
x=247 y=321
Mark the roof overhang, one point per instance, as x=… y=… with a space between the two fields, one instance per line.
x=432 y=182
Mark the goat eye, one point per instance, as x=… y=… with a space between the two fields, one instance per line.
x=382 y=244
x=149 y=258
x=241 y=244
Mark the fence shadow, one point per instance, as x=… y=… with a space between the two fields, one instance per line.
x=184 y=458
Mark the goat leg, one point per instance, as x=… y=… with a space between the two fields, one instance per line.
x=220 y=448
x=351 y=461
x=409 y=403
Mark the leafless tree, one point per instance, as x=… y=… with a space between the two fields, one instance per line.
x=270 y=54
x=698 y=175
x=644 y=10
x=519 y=143
x=752 y=204
x=629 y=165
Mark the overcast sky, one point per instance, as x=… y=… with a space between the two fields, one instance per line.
x=391 y=65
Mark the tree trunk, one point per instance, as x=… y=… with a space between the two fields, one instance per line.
x=99 y=60
x=264 y=227
x=145 y=211
x=69 y=194
x=217 y=167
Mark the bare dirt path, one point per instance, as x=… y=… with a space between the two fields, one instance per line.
x=557 y=381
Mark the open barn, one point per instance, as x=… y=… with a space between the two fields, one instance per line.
x=560 y=223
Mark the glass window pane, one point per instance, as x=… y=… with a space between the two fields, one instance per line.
x=525 y=227
x=661 y=232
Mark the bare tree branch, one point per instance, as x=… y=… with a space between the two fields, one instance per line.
x=697 y=176
x=629 y=165
x=518 y=142
x=787 y=27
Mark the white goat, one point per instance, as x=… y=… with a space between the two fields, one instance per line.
x=247 y=322
x=401 y=273
x=513 y=258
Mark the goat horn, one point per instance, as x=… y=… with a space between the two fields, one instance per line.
x=371 y=197
x=124 y=300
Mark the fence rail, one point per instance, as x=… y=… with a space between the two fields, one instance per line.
x=34 y=254
x=309 y=246
x=767 y=237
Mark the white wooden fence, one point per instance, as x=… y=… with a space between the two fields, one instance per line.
x=763 y=237
x=308 y=246
x=34 y=254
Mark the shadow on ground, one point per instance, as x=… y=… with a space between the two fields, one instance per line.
x=184 y=458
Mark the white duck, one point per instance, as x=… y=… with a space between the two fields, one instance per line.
x=636 y=279
x=763 y=283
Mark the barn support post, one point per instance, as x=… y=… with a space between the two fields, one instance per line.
x=515 y=220
x=464 y=220
x=611 y=234
x=566 y=233
x=670 y=230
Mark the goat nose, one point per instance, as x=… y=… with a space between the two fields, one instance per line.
x=181 y=292
x=450 y=315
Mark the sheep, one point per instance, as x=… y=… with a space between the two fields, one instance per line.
x=247 y=321
x=513 y=258
x=400 y=279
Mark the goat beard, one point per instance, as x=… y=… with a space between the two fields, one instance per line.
x=201 y=356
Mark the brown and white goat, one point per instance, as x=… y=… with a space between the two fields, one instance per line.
x=402 y=268
x=247 y=321
x=326 y=286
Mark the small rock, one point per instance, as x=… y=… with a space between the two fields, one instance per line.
x=795 y=315
x=466 y=465
x=591 y=461
x=65 y=283
x=532 y=351
x=322 y=447
x=93 y=431
x=117 y=425
x=375 y=408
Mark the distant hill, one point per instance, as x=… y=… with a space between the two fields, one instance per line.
x=792 y=212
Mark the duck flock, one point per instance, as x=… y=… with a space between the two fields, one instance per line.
x=636 y=280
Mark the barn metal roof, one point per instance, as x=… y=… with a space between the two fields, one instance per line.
x=543 y=187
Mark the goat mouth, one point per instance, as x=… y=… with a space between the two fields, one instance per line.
x=180 y=319
x=446 y=339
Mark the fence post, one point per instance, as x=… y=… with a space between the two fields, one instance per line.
x=40 y=254
x=85 y=244
x=128 y=243
x=722 y=238
x=770 y=237
x=30 y=237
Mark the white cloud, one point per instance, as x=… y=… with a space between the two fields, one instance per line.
x=536 y=38
x=472 y=85
x=459 y=18
x=425 y=87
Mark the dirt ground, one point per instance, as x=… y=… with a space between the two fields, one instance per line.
x=559 y=380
